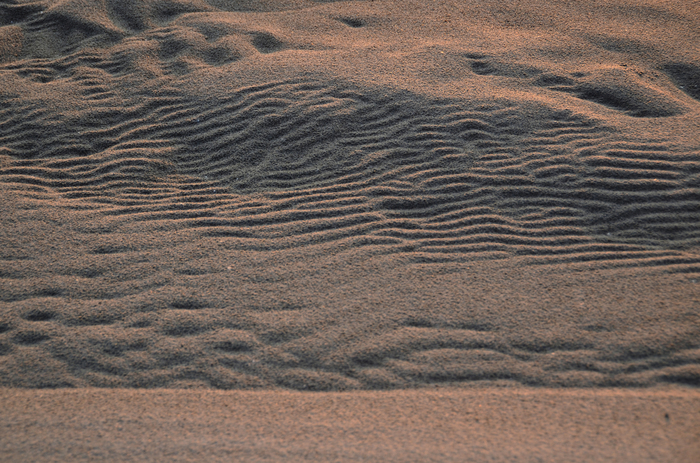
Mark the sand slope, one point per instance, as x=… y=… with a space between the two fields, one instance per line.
x=341 y=195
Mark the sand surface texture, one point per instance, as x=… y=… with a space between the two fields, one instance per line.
x=329 y=196
x=436 y=425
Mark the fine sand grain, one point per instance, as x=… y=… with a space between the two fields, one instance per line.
x=365 y=196
x=349 y=195
x=429 y=425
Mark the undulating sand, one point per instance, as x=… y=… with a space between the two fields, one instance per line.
x=365 y=199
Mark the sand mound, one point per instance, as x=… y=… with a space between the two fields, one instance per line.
x=339 y=195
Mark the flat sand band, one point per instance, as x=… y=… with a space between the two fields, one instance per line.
x=436 y=424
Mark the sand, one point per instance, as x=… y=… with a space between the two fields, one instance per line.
x=358 y=198
x=433 y=424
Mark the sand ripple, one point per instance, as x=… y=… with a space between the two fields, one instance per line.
x=173 y=178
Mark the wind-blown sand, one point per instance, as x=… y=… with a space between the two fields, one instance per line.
x=349 y=196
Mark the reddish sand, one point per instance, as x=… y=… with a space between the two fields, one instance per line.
x=376 y=197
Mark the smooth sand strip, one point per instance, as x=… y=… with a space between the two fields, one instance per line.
x=436 y=424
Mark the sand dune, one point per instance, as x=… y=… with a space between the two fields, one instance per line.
x=349 y=195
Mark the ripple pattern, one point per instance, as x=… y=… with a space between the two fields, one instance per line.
x=184 y=202
x=286 y=164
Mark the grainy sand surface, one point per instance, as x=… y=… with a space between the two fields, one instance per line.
x=358 y=198
x=419 y=425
